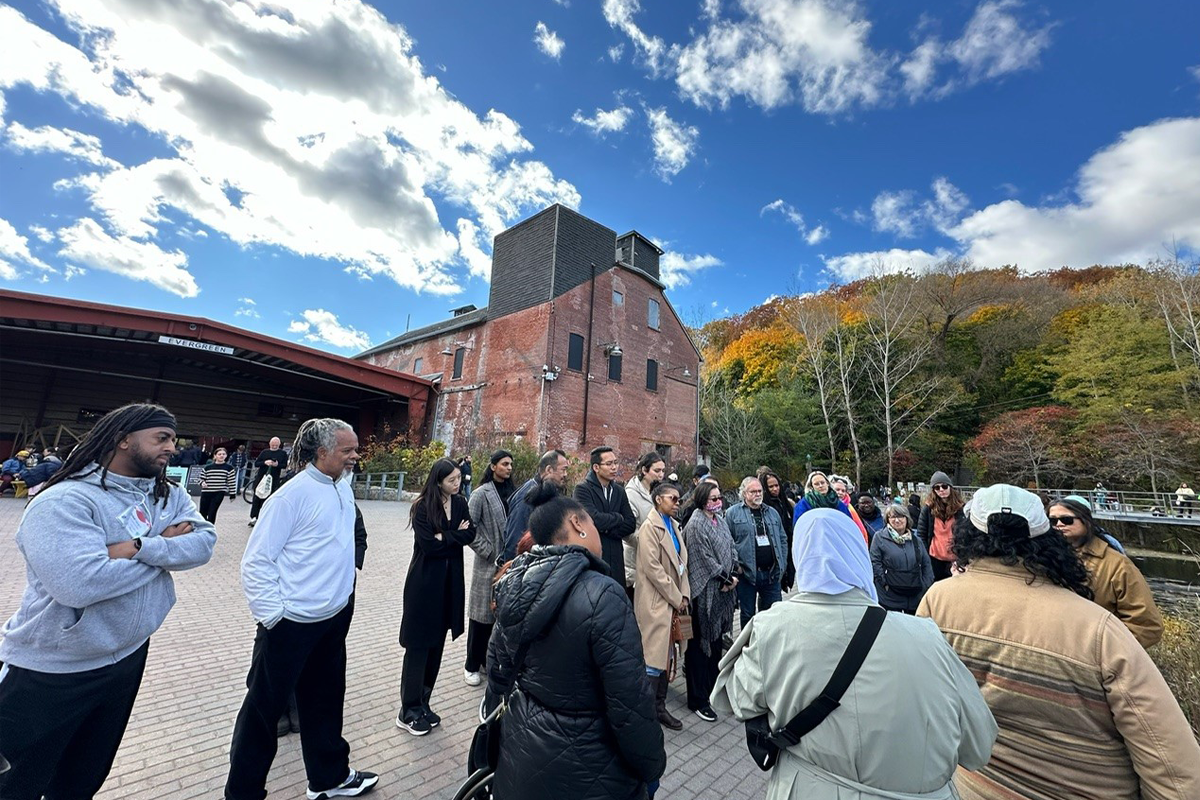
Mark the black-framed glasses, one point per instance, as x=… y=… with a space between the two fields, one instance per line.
x=674 y=498
x=1065 y=520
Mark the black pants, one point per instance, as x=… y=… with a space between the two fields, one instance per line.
x=210 y=504
x=417 y=677
x=61 y=731
x=308 y=658
x=941 y=569
x=701 y=672
x=478 y=634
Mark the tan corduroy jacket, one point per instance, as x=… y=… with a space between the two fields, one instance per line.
x=1084 y=713
x=1120 y=588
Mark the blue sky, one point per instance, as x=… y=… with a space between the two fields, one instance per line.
x=321 y=171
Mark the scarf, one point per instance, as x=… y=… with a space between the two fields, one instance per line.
x=711 y=554
x=828 y=500
x=899 y=538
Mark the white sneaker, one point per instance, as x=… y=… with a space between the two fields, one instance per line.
x=472 y=678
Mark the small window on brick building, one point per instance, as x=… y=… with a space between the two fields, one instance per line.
x=652 y=315
x=664 y=450
x=420 y=362
x=614 y=368
x=652 y=374
x=459 y=355
x=575 y=352
x=618 y=298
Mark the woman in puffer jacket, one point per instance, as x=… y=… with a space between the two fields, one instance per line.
x=581 y=722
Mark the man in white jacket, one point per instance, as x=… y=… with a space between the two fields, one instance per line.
x=298 y=575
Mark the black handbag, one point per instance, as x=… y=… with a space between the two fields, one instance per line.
x=764 y=744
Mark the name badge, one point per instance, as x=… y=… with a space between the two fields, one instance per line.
x=762 y=540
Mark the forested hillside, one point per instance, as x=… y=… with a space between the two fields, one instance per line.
x=1054 y=379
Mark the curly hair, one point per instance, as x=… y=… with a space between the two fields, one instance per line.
x=311 y=437
x=1007 y=539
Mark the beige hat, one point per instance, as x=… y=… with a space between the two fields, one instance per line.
x=1002 y=498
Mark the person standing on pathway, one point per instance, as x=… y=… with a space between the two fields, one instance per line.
x=608 y=505
x=647 y=474
x=489 y=511
x=269 y=462
x=217 y=481
x=100 y=542
x=941 y=511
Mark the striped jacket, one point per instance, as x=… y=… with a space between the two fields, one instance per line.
x=219 y=478
x=1084 y=713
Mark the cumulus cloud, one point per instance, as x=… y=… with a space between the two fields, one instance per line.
x=674 y=143
x=678 y=268
x=312 y=128
x=14 y=250
x=818 y=54
x=44 y=235
x=319 y=325
x=796 y=219
x=602 y=121
x=86 y=242
x=852 y=266
x=1130 y=200
x=46 y=138
x=900 y=213
x=548 y=41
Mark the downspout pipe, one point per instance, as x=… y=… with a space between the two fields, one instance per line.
x=587 y=367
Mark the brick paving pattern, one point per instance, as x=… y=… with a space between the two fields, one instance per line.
x=177 y=745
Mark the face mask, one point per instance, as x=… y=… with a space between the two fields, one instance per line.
x=714 y=506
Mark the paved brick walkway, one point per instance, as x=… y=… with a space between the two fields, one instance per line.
x=177 y=745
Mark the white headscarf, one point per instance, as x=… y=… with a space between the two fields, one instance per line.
x=830 y=558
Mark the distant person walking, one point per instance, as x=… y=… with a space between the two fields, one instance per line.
x=100 y=542
x=1185 y=500
x=433 y=591
x=464 y=467
x=942 y=510
x=489 y=512
x=238 y=459
x=269 y=462
x=217 y=481
x=298 y=576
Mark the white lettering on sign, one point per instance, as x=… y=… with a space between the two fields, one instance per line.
x=212 y=348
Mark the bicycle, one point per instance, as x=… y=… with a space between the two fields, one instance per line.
x=248 y=489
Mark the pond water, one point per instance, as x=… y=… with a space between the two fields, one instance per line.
x=1173 y=580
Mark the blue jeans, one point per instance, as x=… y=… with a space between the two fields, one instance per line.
x=763 y=586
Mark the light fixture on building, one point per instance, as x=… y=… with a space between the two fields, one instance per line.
x=449 y=349
x=612 y=349
x=668 y=369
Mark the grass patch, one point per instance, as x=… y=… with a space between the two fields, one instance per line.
x=1178 y=657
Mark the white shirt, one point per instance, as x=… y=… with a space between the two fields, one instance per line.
x=299 y=561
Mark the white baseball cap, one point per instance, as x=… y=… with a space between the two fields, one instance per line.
x=1003 y=498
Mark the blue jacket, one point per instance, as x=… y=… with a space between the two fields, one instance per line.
x=741 y=524
x=803 y=506
x=518 y=519
x=13 y=466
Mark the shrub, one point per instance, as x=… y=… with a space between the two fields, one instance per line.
x=396 y=453
x=525 y=459
x=1178 y=657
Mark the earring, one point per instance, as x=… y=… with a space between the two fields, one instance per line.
x=583 y=534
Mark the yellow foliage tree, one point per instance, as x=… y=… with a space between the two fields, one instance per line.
x=755 y=359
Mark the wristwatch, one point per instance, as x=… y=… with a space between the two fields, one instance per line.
x=137 y=543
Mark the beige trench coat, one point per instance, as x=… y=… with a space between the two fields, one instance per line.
x=911 y=716
x=661 y=587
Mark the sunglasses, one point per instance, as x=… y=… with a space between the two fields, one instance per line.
x=1067 y=520
x=941 y=486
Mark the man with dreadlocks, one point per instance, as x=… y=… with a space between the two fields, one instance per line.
x=100 y=542
x=298 y=575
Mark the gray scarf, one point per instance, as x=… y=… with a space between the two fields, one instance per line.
x=711 y=554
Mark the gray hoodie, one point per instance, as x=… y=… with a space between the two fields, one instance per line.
x=81 y=609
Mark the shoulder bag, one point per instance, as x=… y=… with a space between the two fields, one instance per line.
x=764 y=744
x=263 y=490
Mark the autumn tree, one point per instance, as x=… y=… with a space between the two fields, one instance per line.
x=813 y=319
x=754 y=360
x=729 y=429
x=1029 y=445
x=1142 y=443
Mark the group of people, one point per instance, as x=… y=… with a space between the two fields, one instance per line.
x=583 y=608
x=31 y=467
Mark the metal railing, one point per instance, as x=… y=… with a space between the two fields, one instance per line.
x=1116 y=504
x=379 y=485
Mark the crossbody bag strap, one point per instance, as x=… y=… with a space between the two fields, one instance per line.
x=843 y=674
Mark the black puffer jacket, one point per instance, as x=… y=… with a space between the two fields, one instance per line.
x=581 y=723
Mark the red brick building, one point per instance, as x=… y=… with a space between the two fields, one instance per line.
x=578 y=347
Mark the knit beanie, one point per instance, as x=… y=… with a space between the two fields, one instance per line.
x=940 y=477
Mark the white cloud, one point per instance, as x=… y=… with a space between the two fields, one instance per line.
x=615 y=52
x=796 y=219
x=469 y=247
x=88 y=243
x=14 y=250
x=548 y=41
x=901 y=214
x=246 y=308
x=44 y=235
x=852 y=266
x=319 y=325
x=1132 y=199
x=603 y=122
x=674 y=143
x=651 y=49
x=312 y=128
x=563 y=3
x=47 y=139
x=818 y=54
x=678 y=268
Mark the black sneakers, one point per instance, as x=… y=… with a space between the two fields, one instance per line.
x=417 y=726
x=706 y=714
x=358 y=783
x=433 y=719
